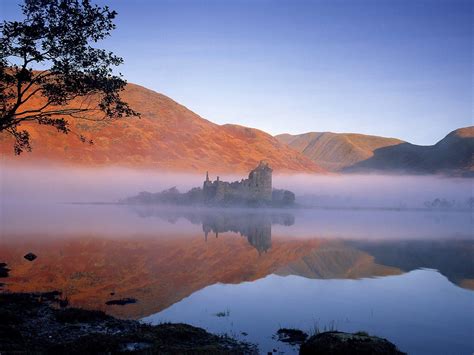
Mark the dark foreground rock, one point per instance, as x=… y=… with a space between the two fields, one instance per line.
x=291 y=336
x=4 y=270
x=121 y=302
x=30 y=256
x=32 y=323
x=338 y=343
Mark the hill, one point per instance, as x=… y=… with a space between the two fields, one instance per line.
x=168 y=137
x=347 y=152
x=454 y=154
x=335 y=151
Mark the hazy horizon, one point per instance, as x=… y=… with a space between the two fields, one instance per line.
x=32 y=183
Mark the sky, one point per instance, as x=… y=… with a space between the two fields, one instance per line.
x=398 y=68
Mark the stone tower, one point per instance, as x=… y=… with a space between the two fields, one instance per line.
x=260 y=182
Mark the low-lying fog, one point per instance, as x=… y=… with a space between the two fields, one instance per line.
x=21 y=184
x=32 y=204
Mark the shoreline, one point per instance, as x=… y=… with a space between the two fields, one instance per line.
x=39 y=322
x=42 y=322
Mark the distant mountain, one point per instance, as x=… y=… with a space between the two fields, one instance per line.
x=335 y=151
x=168 y=137
x=342 y=152
x=453 y=154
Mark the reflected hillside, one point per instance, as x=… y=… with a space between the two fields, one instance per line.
x=337 y=260
x=156 y=271
x=452 y=258
x=360 y=259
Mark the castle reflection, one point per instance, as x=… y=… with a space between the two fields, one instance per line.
x=256 y=226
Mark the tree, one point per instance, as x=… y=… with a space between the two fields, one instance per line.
x=80 y=81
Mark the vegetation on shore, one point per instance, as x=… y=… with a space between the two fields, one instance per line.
x=35 y=322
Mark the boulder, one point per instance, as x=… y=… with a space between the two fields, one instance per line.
x=339 y=343
x=291 y=336
x=121 y=302
x=30 y=256
x=4 y=270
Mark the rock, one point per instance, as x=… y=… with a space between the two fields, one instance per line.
x=339 y=343
x=291 y=336
x=30 y=256
x=4 y=270
x=121 y=302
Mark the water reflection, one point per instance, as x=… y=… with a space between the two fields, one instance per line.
x=165 y=257
x=255 y=225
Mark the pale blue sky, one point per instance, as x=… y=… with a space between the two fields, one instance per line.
x=399 y=68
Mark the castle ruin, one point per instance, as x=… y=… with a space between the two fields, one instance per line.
x=255 y=191
x=256 y=188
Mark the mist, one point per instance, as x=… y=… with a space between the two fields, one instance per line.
x=38 y=184
x=390 y=191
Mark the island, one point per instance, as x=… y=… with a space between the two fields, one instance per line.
x=255 y=191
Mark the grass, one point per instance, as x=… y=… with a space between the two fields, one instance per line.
x=225 y=313
x=316 y=329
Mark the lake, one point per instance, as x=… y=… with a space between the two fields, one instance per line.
x=406 y=275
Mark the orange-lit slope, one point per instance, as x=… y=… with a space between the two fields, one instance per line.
x=167 y=137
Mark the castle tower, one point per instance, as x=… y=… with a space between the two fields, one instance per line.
x=207 y=187
x=260 y=182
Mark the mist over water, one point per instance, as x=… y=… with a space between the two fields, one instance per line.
x=377 y=190
x=37 y=184
x=37 y=199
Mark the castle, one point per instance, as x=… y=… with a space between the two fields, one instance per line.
x=255 y=191
x=257 y=188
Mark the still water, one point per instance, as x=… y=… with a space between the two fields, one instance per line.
x=404 y=275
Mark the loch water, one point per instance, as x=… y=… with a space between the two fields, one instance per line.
x=405 y=275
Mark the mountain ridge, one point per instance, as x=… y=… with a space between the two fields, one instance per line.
x=171 y=137
x=352 y=152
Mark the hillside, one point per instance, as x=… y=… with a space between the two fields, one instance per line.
x=167 y=137
x=347 y=152
x=454 y=154
x=335 y=151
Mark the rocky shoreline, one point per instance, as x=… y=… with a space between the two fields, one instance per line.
x=35 y=322
x=40 y=323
